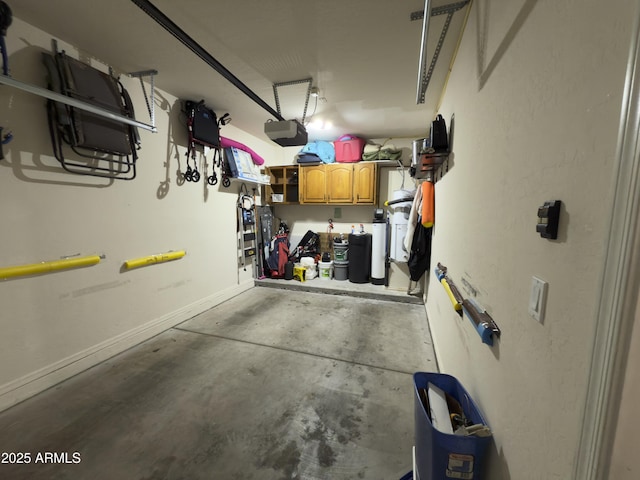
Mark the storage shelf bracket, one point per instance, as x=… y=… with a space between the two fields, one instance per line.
x=441 y=10
x=72 y=102
x=308 y=81
x=485 y=326
x=480 y=319
x=150 y=102
x=424 y=74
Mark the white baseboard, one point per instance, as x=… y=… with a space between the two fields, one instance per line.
x=434 y=341
x=35 y=382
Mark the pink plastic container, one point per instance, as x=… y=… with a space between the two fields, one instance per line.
x=349 y=149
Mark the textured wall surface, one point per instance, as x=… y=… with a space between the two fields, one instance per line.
x=624 y=452
x=51 y=322
x=535 y=95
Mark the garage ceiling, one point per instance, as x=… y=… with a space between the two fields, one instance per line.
x=361 y=54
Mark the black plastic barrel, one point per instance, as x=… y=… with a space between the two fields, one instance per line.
x=288 y=271
x=359 y=257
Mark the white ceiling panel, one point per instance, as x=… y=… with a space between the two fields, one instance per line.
x=361 y=54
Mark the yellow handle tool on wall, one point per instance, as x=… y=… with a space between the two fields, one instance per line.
x=457 y=306
x=152 y=259
x=47 y=267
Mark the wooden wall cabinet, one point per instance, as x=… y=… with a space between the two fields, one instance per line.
x=365 y=182
x=313 y=184
x=338 y=183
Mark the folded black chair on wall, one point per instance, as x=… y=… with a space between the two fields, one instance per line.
x=102 y=147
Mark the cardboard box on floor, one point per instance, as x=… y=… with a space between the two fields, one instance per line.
x=326 y=241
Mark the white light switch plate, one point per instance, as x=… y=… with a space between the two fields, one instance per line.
x=538 y=298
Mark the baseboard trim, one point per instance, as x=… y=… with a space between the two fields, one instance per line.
x=35 y=382
x=434 y=341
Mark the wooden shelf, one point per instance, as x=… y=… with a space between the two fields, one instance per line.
x=283 y=186
x=430 y=162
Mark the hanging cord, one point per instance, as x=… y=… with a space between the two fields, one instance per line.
x=310 y=117
x=245 y=200
x=330 y=239
x=400 y=169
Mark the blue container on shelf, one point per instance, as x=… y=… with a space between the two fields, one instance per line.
x=442 y=456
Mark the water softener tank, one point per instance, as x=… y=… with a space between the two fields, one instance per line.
x=399 y=224
x=359 y=257
x=378 y=247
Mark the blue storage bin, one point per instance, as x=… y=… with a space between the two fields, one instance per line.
x=441 y=456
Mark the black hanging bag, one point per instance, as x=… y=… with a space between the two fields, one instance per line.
x=439 y=139
x=203 y=124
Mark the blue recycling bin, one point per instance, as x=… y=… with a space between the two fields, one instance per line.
x=442 y=456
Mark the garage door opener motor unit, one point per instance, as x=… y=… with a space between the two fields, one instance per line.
x=286 y=133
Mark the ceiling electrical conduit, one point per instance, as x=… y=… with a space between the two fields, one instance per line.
x=192 y=45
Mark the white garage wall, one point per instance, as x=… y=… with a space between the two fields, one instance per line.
x=57 y=324
x=623 y=451
x=536 y=94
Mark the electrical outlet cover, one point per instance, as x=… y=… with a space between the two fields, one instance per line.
x=538 y=298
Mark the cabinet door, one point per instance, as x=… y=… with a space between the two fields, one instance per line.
x=313 y=184
x=364 y=183
x=340 y=183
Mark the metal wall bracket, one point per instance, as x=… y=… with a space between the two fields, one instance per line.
x=424 y=74
x=449 y=8
x=72 y=102
x=150 y=103
x=289 y=83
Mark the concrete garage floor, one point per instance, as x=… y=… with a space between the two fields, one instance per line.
x=271 y=384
